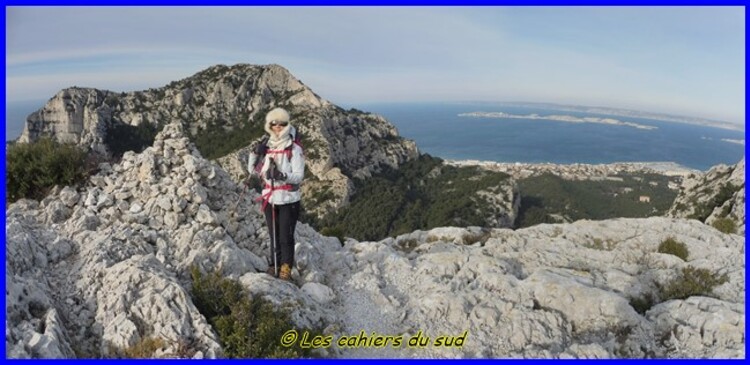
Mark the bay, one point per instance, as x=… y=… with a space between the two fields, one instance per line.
x=439 y=131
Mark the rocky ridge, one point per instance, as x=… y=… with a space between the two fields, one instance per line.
x=340 y=145
x=107 y=265
x=717 y=194
x=112 y=260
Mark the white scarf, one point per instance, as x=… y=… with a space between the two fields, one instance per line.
x=280 y=142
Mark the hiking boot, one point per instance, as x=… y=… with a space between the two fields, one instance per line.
x=285 y=273
x=271 y=271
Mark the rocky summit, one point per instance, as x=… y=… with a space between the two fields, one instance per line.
x=101 y=267
x=225 y=103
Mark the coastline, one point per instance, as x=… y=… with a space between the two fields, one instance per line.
x=557 y=118
x=580 y=171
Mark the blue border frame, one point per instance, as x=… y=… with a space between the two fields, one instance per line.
x=376 y=3
x=370 y=3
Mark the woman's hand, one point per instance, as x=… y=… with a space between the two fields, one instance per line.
x=261 y=149
x=273 y=174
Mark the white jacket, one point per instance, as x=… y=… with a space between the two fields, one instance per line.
x=294 y=170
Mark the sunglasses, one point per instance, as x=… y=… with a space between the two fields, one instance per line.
x=283 y=124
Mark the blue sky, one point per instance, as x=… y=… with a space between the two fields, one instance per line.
x=686 y=60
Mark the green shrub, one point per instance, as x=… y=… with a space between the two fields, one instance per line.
x=547 y=194
x=701 y=211
x=333 y=232
x=725 y=225
x=322 y=195
x=145 y=348
x=674 y=247
x=643 y=303
x=421 y=194
x=690 y=282
x=482 y=238
x=213 y=295
x=123 y=137
x=34 y=168
x=531 y=213
x=601 y=245
x=248 y=327
x=407 y=246
x=726 y=192
x=216 y=141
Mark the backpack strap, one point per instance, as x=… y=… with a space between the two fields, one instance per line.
x=296 y=140
x=287 y=151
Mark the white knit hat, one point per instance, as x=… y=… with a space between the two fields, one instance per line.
x=277 y=115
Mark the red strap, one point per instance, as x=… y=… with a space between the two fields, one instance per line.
x=286 y=151
x=267 y=196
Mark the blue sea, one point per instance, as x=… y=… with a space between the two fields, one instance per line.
x=15 y=116
x=439 y=131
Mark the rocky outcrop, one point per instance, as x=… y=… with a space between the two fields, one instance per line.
x=112 y=260
x=74 y=115
x=718 y=194
x=103 y=267
x=503 y=202
x=339 y=145
x=550 y=291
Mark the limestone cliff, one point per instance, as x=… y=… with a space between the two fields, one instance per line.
x=717 y=194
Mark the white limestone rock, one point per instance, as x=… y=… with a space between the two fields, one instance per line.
x=33 y=325
x=144 y=300
x=69 y=196
x=700 y=193
x=319 y=292
x=700 y=327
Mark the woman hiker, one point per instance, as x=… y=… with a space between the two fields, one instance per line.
x=281 y=166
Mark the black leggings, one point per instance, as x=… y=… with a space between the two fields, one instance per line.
x=286 y=221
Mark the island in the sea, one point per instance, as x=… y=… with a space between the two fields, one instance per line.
x=735 y=141
x=558 y=118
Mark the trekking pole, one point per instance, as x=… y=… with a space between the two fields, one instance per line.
x=236 y=205
x=273 y=229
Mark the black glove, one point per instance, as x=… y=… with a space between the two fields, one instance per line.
x=261 y=149
x=273 y=174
